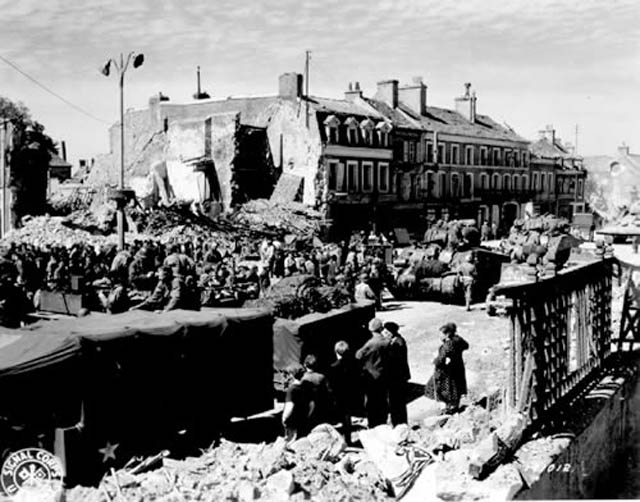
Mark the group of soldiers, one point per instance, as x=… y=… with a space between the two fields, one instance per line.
x=183 y=273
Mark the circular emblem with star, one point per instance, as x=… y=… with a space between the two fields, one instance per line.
x=29 y=468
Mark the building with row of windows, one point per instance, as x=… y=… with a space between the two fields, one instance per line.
x=562 y=174
x=391 y=159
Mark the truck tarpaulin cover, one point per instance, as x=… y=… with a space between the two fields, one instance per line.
x=139 y=374
x=317 y=333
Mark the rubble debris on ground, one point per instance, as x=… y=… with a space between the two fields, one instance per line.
x=627 y=221
x=42 y=231
x=101 y=220
x=419 y=464
x=253 y=221
x=289 y=218
x=319 y=471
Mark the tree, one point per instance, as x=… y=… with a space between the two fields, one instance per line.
x=29 y=159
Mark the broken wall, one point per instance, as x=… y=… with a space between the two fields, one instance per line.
x=297 y=149
x=254 y=172
x=186 y=140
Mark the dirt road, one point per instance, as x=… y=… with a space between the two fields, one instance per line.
x=486 y=360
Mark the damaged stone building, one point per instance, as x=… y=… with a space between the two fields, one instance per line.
x=214 y=153
x=392 y=160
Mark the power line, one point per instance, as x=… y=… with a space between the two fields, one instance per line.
x=53 y=93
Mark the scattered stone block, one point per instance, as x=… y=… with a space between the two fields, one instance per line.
x=280 y=485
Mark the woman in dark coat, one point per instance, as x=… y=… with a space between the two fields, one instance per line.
x=448 y=383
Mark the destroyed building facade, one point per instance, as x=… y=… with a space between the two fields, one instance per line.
x=614 y=180
x=391 y=159
x=211 y=152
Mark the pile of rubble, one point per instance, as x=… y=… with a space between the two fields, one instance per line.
x=290 y=218
x=629 y=217
x=318 y=467
x=101 y=220
x=44 y=231
x=430 y=462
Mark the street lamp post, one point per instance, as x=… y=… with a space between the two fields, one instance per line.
x=121 y=68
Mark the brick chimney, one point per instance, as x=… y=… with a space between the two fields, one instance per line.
x=415 y=96
x=290 y=86
x=550 y=134
x=466 y=105
x=353 y=92
x=388 y=92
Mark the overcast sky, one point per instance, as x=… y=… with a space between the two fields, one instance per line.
x=532 y=62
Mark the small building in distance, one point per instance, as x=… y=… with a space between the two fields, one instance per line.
x=59 y=172
x=558 y=176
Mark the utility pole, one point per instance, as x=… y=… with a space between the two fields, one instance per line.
x=307 y=58
x=575 y=150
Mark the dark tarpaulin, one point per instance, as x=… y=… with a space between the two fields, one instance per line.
x=139 y=377
x=317 y=334
x=247 y=365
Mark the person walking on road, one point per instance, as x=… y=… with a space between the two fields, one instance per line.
x=374 y=357
x=448 y=383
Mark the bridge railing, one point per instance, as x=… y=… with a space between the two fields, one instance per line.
x=560 y=335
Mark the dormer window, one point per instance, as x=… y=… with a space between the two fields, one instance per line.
x=352 y=130
x=383 y=129
x=331 y=128
x=366 y=129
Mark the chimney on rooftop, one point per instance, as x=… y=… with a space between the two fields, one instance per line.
x=200 y=94
x=415 y=96
x=388 y=92
x=290 y=85
x=550 y=134
x=63 y=150
x=353 y=92
x=623 y=149
x=466 y=105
